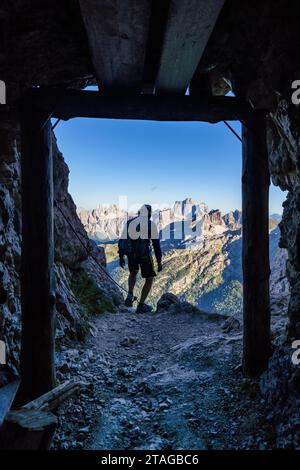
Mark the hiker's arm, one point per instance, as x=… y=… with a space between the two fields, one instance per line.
x=121 y=255
x=121 y=246
x=120 y=249
x=157 y=250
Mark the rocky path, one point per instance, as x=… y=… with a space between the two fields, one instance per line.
x=160 y=381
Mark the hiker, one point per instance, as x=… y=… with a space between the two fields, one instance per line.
x=135 y=243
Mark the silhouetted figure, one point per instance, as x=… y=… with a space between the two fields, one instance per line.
x=135 y=242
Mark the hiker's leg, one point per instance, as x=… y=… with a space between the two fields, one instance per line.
x=146 y=289
x=132 y=281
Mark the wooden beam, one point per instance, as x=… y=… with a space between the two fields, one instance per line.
x=256 y=269
x=37 y=275
x=117 y=32
x=190 y=24
x=51 y=400
x=66 y=104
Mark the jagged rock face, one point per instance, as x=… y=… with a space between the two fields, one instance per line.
x=284 y=151
x=103 y=223
x=213 y=222
x=165 y=216
x=68 y=248
x=290 y=237
x=281 y=386
x=216 y=217
x=279 y=285
x=10 y=248
x=106 y=223
x=233 y=220
x=187 y=207
x=69 y=252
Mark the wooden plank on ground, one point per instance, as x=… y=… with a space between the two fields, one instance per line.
x=190 y=24
x=117 y=32
x=50 y=400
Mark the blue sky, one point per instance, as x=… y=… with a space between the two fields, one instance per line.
x=154 y=163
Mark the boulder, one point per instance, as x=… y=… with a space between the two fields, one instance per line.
x=170 y=303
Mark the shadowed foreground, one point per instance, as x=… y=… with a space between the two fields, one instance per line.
x=161 y=381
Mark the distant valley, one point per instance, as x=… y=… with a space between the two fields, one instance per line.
x=201 y=253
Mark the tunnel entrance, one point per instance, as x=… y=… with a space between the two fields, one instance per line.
x=39 y=106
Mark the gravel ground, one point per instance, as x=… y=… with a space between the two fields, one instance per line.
x=161 y=381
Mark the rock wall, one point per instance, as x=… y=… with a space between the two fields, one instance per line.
x=70 y=255
x=254 y=50
x=257 y=59
x=10 y=248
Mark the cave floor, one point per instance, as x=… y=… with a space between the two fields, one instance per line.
x=160 y=381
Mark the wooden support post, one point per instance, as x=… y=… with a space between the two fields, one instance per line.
x=37 y=276
x=256 y=269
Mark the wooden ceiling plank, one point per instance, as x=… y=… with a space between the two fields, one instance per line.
x=117 y=32
x=190 y=24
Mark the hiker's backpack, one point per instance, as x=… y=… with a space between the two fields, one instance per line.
x=137 y=248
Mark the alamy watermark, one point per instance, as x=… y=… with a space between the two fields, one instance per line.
x=2 y=353
x=296 y=94
x=2 y=92
x=296 y=353
x=184 y=222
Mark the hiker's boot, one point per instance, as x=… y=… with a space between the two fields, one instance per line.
x=129 y=300
x=144 y=308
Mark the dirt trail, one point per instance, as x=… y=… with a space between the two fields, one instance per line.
x=161 y=381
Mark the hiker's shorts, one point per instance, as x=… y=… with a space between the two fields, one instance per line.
x=145 y=264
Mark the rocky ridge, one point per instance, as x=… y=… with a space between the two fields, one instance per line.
x=205 y=268
x=106 y=222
